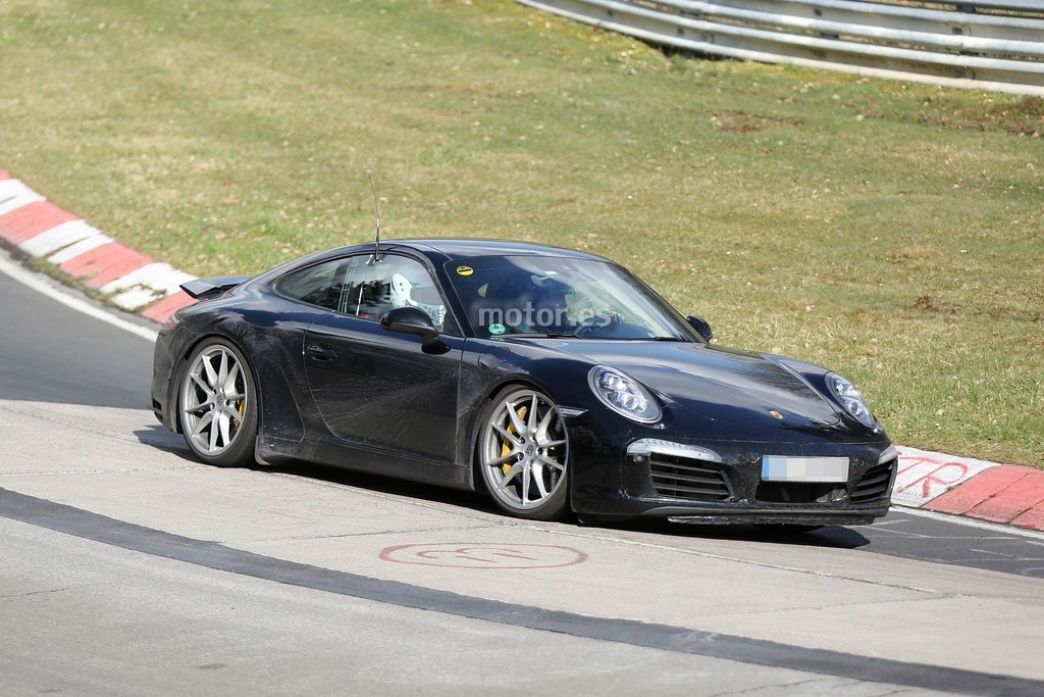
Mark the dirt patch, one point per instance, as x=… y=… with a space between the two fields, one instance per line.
x=1021 y=116
x=911 y=253
x=929 y=304
x=735 y=121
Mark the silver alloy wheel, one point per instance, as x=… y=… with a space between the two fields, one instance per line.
x=524 y=450
x=214 y=399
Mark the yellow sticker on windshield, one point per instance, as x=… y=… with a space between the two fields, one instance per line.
x=465 y=270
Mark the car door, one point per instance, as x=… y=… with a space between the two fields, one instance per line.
x=378 y=388
x=281 y=320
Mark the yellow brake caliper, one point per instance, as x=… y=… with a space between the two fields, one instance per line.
x=505 y=446
x=241 y=407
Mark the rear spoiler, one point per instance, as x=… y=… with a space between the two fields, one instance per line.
x=203 y=288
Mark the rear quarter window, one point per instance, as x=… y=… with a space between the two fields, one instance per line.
x=316 y=285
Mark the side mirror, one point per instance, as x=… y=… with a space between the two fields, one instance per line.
x=413 y=320
x=701 y=326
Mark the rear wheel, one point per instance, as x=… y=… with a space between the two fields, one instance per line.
x=523 y=453
x=217 y=405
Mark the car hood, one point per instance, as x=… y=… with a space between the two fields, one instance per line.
x=724 y=389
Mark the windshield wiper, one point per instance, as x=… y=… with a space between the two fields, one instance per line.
x=543 y=335
x=533 y=335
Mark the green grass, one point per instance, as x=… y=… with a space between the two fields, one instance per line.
x=894 y=232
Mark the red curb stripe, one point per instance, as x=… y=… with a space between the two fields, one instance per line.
x=1011 y=502
x=977 y=489
x=30 y=220
x=105 y=263
x=1032 y=519
x=162 y=310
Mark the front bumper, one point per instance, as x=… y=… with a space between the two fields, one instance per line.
x=704 y=481
x=738 y=513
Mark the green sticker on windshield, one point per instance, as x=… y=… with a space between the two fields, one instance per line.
x=497 y=328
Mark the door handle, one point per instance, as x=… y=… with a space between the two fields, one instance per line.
x=320 y=353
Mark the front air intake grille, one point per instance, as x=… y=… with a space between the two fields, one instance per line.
x=874 y=482
x=687 y=478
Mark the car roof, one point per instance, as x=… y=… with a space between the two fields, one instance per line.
x=462 y=247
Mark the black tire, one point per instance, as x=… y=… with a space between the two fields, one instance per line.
x=554 y=505
x=241 y=432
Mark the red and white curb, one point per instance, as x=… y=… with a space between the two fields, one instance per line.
x=989 y=491
x=130 y=279
x=963 y=486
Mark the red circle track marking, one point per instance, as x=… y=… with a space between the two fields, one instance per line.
x=483 y=555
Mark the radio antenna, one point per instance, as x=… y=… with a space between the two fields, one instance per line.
x=377 y=213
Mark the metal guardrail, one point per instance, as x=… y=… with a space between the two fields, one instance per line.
x=1029 y=6
x=988 y=44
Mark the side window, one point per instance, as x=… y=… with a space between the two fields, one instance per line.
x=371 y=290
x=316 y=285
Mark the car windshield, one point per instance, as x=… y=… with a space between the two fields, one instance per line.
x=544 y=296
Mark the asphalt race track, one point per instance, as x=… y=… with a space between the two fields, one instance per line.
x=126 y=568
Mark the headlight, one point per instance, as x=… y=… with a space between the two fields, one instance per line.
x=623 y=394
x=851 y=399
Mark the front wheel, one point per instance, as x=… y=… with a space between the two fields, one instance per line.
x=523 y=453
x=217 y=405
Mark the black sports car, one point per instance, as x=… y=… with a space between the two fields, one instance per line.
x=551 y=378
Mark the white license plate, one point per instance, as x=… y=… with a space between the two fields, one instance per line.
x=785 y=468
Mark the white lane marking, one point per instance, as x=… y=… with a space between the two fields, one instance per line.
x=31 y=280
x=883 y=523
x=14 y=194
x=986 y=551
x=891 y=531
x=61 y=235
x=971 y=523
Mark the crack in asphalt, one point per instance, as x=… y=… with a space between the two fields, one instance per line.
x=843 y=605
x=110 y=435
x=348 y=535
x=27 y=594
x=128 y=470
x=752 y=562
x=759 y=688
